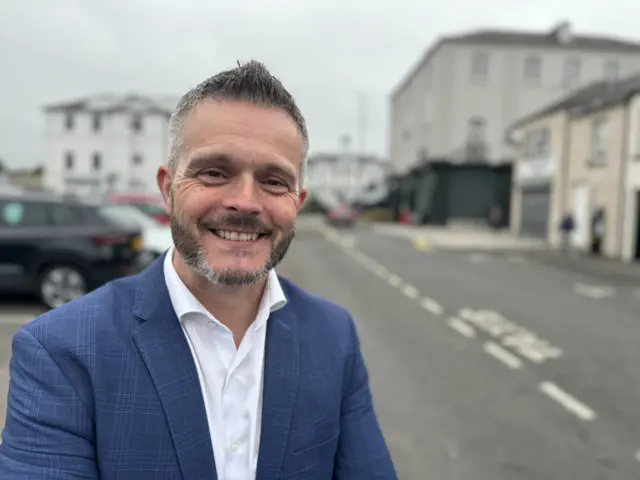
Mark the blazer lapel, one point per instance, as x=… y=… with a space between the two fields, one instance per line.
x=166 y=353
x=281 y=370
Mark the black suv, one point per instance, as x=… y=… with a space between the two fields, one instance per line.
x=59 y=248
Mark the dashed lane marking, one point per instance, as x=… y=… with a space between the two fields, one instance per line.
x=394 y=280
x=431 y=306
x=503 y=355
x=569 y=402
x=595 y=292
x=422 y=244
x=410 y=291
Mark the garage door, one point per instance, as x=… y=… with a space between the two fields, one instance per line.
x=535 y=212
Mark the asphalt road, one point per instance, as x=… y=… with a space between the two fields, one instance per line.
x=482 y=367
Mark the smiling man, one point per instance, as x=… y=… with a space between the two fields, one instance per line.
x=207 y=365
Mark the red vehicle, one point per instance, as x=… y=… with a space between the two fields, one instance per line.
x=148 y=204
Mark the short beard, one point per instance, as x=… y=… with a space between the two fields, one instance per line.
x=194 y=256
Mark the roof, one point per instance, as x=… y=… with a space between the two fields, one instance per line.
x=118 y=103
x=594 y=97
x=520 y=38
x=341 y=157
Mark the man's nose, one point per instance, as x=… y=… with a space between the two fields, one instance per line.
x=243 y=196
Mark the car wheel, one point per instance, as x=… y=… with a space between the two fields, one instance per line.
x=59 y=284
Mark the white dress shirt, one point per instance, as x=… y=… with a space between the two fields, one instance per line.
x=230 y=377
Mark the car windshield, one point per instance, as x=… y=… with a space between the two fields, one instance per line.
x=127 y=215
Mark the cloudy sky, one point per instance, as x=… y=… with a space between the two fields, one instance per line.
x=325 y=51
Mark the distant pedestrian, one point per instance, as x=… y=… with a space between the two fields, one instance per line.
x=567 y=226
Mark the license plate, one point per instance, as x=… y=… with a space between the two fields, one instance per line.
x=136 y=244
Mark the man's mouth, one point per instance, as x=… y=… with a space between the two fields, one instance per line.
x=238 y=236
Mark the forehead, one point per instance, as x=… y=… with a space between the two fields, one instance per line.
x=242 y=130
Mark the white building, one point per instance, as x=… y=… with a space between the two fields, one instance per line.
x=347 y=176
x=106 y=143
x=457 y=102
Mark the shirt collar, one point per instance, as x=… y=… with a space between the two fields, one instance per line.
x=185 y=303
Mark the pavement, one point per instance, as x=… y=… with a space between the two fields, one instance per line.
x=483 y=366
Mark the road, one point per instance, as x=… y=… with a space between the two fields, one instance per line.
x=483 y=367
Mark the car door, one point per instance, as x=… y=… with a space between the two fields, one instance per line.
x=24 y=227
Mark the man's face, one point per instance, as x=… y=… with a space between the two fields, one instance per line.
x=235 y=194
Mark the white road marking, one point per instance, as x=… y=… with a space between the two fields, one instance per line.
x=594 y=291
x=380 y=270
x=569 y=402
x=638 y=455
x=503 y=355
x=431 y=306
x=348 y=241
x=526 y=343
x=410 y=291
x=461 y=327
x=394 y=281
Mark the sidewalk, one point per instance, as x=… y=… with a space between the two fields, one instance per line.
x=459 y=238
x=602 y=269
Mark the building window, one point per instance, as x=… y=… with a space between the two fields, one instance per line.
x=599 y=140
x=97 y=122
x=538 y=143
x=611 y=70
x=69 y=121
x=69 y=160
x=136 y=160
x=136 y=123
x=476 y=130
x=97 y=161
x=479 y=67
x=532 y=70
x=571 y=72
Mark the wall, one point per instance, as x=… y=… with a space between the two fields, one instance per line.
x=556 y=124
x=632 y=183
x=116 y=142
x=603 y=182
x=436 y=105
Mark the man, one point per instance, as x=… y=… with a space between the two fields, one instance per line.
x=207 y=365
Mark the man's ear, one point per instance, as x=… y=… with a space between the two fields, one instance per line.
x=164 y=180
x=302 y=197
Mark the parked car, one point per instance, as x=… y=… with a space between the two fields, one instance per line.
x=148 y=204
x=342 y=215
x=58 y=248
x=155 y=237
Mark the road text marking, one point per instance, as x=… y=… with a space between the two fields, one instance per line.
x=569 y=402
x=594 y=291
x=503 y=355
x=461 y=327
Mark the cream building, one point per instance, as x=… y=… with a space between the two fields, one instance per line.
x=581 y=155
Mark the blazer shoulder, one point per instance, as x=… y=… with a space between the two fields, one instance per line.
x=313 y=308
x=102 y=309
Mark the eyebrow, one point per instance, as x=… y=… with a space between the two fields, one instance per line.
x=204 y=160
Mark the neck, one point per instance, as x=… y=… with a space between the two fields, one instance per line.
x=236 y=307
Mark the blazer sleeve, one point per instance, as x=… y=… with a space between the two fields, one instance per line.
x=362 y=453
x=48 y=432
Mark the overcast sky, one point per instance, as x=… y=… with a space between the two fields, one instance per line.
x=325 y=51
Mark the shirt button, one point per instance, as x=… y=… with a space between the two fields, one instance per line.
x=234 y=447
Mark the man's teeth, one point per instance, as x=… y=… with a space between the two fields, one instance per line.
x=237 y=236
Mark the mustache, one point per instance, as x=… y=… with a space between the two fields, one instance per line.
x=244 y=222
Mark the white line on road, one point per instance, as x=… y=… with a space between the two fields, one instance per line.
x=432 y=306
x=638 y=455
x=502 y=355
x=410 y=291
x=594 y=291
x=461 y=327
x=569 y=402
x=394 y=281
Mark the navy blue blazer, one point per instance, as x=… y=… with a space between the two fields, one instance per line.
x=105 y=387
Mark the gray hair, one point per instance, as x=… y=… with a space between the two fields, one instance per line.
x=251 y=82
